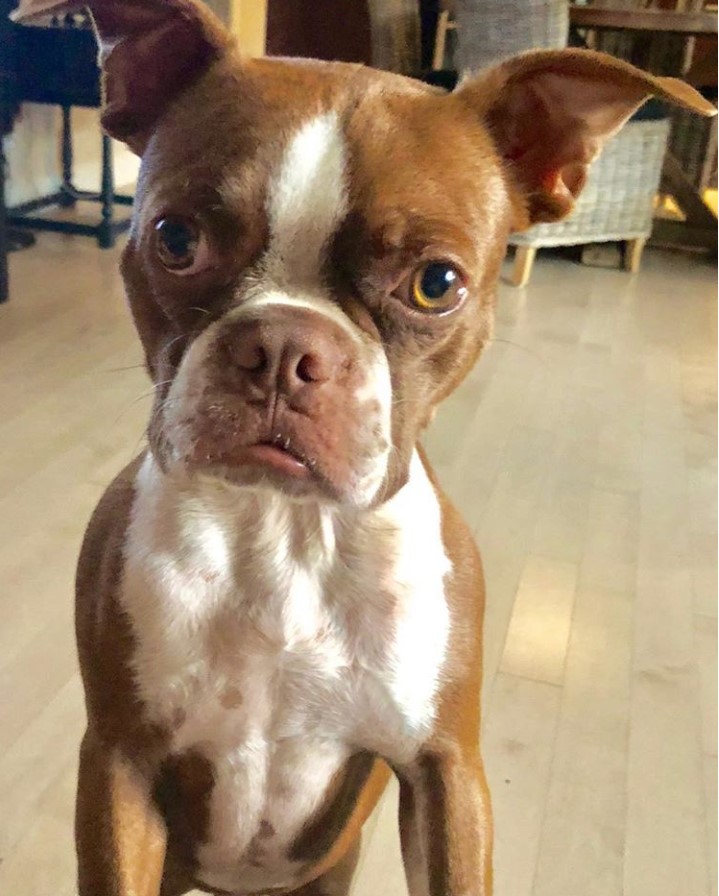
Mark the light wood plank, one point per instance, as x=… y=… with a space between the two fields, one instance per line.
x=711 y=786
x=538 y=634
x=43 y=861
x=666 y=820
x=705 y=628
x=518 y=744
x=582 y=845
x=610 y=553
x=666 y=824
x=31 y=765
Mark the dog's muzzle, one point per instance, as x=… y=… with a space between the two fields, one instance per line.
x=287 y=396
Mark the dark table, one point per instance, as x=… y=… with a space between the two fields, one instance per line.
x=653 y=20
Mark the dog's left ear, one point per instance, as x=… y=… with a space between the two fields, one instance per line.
x=150 y=51
x=551 y=111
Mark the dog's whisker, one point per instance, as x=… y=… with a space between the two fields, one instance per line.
x=150 y=391
x=143 y=395
x=144 y=435
x=168 y=345
x=123 y=369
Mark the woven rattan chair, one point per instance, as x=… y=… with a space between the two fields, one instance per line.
x=617 y=203
x=618 y=200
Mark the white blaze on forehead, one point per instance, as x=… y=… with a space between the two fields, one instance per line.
x=307 y=199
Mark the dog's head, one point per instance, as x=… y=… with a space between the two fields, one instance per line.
x=315 y=246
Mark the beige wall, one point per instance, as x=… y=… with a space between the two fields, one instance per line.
x=86 y=125
x=31 y=152
x=248 y=20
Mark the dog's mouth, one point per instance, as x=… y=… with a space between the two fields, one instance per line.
x=336 y=454
x=277 y=459
x=279 y=455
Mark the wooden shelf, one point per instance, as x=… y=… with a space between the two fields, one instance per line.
x=643 y=20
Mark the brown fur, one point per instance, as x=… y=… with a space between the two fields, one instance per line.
x=320 y=832
x=431 y=176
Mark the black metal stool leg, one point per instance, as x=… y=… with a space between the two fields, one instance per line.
x=67 y=191
x=106 y=235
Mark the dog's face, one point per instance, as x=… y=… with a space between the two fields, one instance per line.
x=315 y=246
x=311 y=271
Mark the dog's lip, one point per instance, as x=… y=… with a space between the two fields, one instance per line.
x=279 y=458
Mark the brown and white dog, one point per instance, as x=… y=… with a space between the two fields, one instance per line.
x=276 y=605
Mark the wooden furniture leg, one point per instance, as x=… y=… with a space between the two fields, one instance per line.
x=523 y=261
x=440 y=40
x=633 y=254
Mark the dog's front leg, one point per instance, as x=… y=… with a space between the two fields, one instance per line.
x=119 y=832
x=446 y=824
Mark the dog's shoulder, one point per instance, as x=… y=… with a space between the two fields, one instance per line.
x=106 y=532
x=103 y=634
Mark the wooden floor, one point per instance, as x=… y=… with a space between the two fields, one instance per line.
x=582 y=449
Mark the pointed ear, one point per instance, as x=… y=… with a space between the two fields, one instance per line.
x=551 y=111
x=150 y=51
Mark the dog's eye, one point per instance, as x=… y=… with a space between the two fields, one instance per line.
x=181 y=246
x=436 y=287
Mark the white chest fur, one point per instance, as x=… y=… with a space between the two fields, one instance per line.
x=278 y=638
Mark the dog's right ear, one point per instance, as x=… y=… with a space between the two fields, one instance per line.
x=150 y=51
x=550 y=112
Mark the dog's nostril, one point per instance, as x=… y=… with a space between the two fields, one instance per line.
x=251 y=357
x=309 y=369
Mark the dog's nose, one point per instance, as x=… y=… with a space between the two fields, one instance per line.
x=286 y=355
x=294 y=358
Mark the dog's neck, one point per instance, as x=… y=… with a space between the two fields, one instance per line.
x=198 y=507
x=213 y=528
x=259 y=511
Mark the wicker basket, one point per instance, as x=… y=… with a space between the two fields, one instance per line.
x=693 y=140
x=618 y=200
x=493 y=29
x=395 y=35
